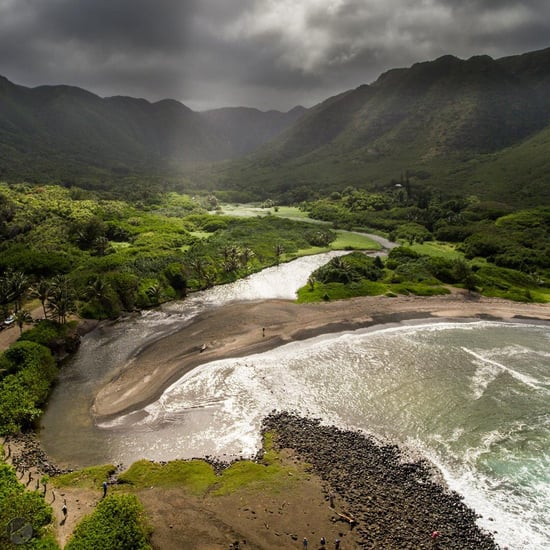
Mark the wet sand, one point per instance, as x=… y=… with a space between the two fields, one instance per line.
x=246 y=328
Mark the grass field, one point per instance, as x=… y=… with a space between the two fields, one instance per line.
x=344 y=240
x=251 y=210
x=434 y=248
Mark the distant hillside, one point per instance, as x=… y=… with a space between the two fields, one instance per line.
x=451 y=124
x=245 y=129
x=478 y=126
x=54 y=132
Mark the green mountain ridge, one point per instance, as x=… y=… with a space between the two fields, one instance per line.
x=477 y=126
x=444 y=122
x=56 y=130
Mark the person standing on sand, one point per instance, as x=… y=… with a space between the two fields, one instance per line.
x=305 y=543
x=435 y=536
x=104 y=489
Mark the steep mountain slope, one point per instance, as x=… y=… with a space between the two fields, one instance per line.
x=431 y=120
x=65 y=129
x=245 y=129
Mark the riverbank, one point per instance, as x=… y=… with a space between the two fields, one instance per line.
x=246 y=328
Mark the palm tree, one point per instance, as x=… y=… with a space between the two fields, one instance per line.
x=278 y=252
x=231 y=257
x=97 y=290
x=41 y=290
x=5 y=296
x=62 y=298
x=154 y=292
x=246 y=255
x=22 y=317
x=19 y=285
x=100 y=245
x=199 y=265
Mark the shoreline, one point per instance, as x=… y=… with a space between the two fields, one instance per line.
x=392 y=501
x=246 y=328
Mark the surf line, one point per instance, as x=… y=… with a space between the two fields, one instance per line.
x=527 y=380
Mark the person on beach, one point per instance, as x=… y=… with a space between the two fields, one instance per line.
x=64 y=508
x=104 y=489
x=337 y=544
x=305 y=543
x=435 y=536
x=323 y=541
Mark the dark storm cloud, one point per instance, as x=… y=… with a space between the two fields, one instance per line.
x=266 y=53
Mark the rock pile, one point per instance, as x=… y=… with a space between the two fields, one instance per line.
x=26 y=453
x=394 y=503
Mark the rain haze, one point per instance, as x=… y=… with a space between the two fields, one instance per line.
x=258 y=53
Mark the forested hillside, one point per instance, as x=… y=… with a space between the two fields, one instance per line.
x=478 y=126
x=66 y=134
x=469 y=126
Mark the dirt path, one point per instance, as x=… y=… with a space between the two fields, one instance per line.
x=10 y=334
x=78 y=502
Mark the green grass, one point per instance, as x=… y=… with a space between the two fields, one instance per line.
x=196 y=475
x=434 y=248
x=344 y=240
x=348 y=240
x=293 y=213
x=250 y=210
x=340 y=291
x=89 y=478
x=199 y=477
x=247 y=474
x=200 y=234
x=243 y=210
x=418 y=289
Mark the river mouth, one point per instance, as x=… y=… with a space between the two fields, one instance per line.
x=472 y=396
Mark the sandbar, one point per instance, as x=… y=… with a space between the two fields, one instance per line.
x=246 y=328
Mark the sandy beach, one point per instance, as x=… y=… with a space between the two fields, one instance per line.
x=246 y=328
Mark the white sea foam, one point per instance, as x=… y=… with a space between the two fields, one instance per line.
x=355 y=379
x=527 y=380
x=503 y=513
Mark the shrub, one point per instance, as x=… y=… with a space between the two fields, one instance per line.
x=31 y=370
x=118 y=523
x=15 y=501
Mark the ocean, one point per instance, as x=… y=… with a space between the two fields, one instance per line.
x=473 y=397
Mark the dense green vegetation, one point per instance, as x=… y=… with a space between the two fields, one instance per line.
x=464 y=126
x=117 y=523
x=66 y=251
x=27 y=371
x=89 y=478
x=17 y=502
x=458 y=241
x=199 y=477
x=73 y=251
x=448 y=158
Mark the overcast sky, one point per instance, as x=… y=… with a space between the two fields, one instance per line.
x=259 y=53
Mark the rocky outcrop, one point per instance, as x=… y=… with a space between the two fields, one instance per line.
x=394 y=502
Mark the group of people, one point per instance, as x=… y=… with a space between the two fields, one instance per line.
x=305 y=543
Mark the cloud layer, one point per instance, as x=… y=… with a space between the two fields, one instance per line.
x=263 y=53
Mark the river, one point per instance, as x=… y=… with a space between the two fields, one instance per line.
x=472 y=396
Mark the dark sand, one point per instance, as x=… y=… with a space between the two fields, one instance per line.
x=236 y=331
